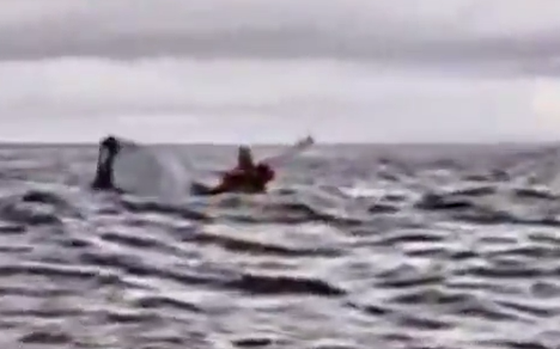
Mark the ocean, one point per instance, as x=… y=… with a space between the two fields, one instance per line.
x=355 y=246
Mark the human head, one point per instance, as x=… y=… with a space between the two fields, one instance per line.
x=244 y=157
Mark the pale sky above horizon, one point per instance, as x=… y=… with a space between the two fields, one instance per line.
x=271 y=71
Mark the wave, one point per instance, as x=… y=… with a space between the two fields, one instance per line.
x=393 y=254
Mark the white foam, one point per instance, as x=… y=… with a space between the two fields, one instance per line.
x=149 y=172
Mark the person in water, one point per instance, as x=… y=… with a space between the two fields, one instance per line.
x=246 y=177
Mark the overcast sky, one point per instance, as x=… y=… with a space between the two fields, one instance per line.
x=271 y=70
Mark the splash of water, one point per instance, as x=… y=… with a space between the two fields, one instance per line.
x=150 y=172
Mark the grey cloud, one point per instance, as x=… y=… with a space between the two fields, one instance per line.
x=436 y=32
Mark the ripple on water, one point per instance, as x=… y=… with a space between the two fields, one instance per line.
x=412 y=265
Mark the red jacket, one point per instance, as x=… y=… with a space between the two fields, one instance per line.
x=251 y=181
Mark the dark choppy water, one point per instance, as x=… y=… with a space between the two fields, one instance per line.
x=356 y=247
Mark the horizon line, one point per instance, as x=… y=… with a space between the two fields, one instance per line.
x=327 y=143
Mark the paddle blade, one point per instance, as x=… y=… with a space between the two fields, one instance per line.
x=290 y=153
